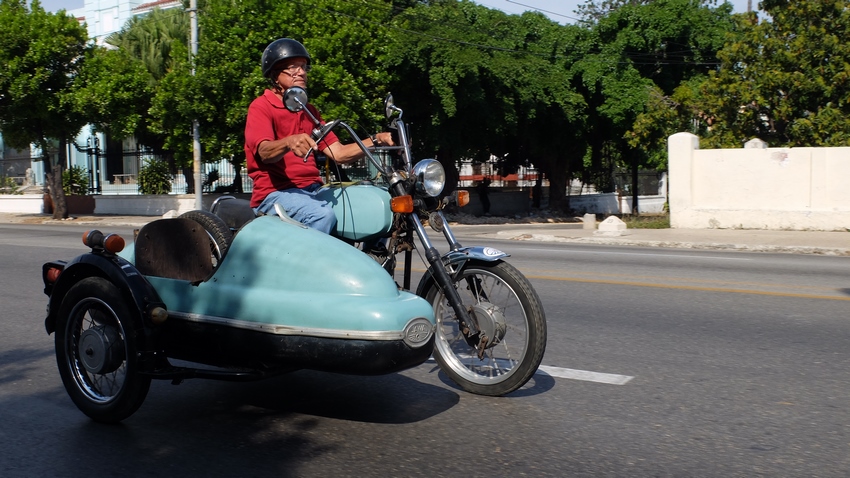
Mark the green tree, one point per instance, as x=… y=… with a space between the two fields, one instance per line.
x=42 y=54
x=111 y=93
x=348 y=80
x=635 y=57
x=786 y=79
x=482 y=83
x=151 y=39
x=157 y=43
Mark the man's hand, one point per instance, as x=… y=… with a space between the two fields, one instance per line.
x=300 y=144
x=384 y=139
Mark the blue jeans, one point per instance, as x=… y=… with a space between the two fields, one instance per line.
x=303 y=206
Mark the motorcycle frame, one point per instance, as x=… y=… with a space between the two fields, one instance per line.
x=399 y=187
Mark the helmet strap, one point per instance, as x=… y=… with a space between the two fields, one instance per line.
x=276 y=86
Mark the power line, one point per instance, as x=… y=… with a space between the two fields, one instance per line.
x=544 y=11
x=480 y=45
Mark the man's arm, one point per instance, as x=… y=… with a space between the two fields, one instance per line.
x=272 y=151
x=346 y=153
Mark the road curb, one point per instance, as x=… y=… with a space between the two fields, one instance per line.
x=626 y=241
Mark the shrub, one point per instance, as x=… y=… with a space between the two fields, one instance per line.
x=8 y=185
x=75 y=181
x=660 y=221
x=155 y=178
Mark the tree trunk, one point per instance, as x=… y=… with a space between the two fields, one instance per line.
x=53 y=175
x=558 y=200
x=446 y=158
x=237 y=178
x=635 y=181
x=189 y=175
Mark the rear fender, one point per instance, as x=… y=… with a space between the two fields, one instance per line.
x=133 y=285
x=459 y=258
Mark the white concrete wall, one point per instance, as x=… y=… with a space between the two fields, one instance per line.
x=24 y=204
x=758 y=188
x=613 y=203
x=120 y=205
x=147 y=205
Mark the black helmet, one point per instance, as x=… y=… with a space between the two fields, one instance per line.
x=281 y=49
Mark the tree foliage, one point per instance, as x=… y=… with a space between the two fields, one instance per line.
x=112 y=93
x=346 y=82
x=580 y=100
x=634 y=54
x=151 y=39
x=42 y=54
x=478 y=82
x=786 y=80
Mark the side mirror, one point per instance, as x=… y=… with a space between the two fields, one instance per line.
x=390 y=107
x=295 y=99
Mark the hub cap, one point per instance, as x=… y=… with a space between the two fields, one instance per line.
x=101 y=350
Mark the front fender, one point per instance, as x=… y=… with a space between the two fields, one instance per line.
x=460 y=257
x=133 y=285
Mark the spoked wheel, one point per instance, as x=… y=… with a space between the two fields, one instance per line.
x=217 y=230
x=508 y=311
x=96 y=350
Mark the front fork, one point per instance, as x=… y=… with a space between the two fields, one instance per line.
x=466 y=323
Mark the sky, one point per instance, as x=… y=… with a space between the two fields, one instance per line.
x=561 y=11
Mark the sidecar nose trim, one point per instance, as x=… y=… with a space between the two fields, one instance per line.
x=418 y=332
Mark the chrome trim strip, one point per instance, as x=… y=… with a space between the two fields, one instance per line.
x=289 y=330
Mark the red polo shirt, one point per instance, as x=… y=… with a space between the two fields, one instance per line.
x=268 y=120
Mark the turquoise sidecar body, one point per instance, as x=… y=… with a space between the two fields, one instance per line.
x=286 y=296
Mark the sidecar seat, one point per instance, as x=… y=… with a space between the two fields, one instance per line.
x=176 y=248
x=233 y=211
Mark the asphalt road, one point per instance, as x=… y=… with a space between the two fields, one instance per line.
x=660 y=363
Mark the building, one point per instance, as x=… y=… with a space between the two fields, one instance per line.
x=104 y=17
x=103 y=157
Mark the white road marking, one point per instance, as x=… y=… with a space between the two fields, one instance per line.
x=585 y=375
x=573 y=374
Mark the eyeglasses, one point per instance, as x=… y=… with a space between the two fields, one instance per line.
x=292 y=69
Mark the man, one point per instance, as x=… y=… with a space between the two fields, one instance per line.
x=278 y=140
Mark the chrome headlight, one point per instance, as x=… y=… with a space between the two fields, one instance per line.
x=430 y=177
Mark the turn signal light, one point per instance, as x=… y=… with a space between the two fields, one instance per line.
x=113 y=243
x=462 y=198
x=95 y=239
x=53 y=274
x=402 y=204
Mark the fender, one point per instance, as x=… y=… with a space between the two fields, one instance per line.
x=461 y=256
x=133 y=285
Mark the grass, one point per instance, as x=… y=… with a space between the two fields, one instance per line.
x=654 y=221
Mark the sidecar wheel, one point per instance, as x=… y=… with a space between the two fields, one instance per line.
x=97 y=341
x=220 y=234
x=509 y=312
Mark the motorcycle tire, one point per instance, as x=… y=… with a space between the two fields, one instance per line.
x=97 y=344
x=219 y=233
x=507 y=310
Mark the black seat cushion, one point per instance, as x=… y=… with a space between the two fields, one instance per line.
x=176 y=248
x=235 y=212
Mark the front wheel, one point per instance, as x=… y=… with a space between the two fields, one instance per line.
x=508 y=311
x=97 y=344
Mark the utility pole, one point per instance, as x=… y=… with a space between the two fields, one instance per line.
x=196 y=133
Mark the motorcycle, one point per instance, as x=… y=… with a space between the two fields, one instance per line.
x=225 y=294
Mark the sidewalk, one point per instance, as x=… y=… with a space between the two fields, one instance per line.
x=796 y=242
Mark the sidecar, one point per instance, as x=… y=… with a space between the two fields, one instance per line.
x=190 y=299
